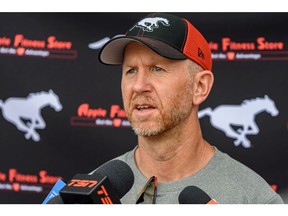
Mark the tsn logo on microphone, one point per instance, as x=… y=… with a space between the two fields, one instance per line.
x=82 y=183
x=90 y=184
x=84 y=188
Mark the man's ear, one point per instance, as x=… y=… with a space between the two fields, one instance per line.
x=203 y=82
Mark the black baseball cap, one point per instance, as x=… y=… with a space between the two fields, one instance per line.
x=168 y=35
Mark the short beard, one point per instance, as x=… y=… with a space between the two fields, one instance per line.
x=178 y=110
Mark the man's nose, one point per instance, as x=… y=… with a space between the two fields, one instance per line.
x=142 y=82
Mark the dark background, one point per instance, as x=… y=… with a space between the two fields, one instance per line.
x=64 y=149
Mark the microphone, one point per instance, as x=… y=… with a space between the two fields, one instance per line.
x=194 y=195
x=55 y=200
x=54 y=192
x=106 y=185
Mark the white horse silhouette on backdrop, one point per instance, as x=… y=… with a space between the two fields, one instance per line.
x=224 y=117
x=25 y=113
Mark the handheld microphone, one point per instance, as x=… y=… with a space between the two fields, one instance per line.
x=54 y=192
x=56 y=200
x=106 y=185
x=194 y=195
x=89 y=189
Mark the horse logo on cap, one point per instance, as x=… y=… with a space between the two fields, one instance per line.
x=242 y=116
x=151 y=23
x=25 y=113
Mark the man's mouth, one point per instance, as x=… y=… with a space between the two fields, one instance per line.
x=144 y=107
x=143 y=111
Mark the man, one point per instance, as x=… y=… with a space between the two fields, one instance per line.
x=166 y=75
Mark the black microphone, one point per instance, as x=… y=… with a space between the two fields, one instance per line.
x=195 y=195
x=106 y=185
x=55 y=200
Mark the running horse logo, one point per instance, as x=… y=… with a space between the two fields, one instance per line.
x=25 y=113
x=150 y=23
x=224 y=117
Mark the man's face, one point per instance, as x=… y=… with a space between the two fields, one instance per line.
x=157 y=92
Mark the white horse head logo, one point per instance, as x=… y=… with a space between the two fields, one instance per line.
x=243 y=116
x=25 y=113
x=150 y=23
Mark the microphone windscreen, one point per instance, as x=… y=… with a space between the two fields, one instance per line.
x=55 y=200
x=120 y=175
x=193 y=195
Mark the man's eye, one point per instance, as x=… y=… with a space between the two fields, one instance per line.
x=155 y=68
x=131 y=71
